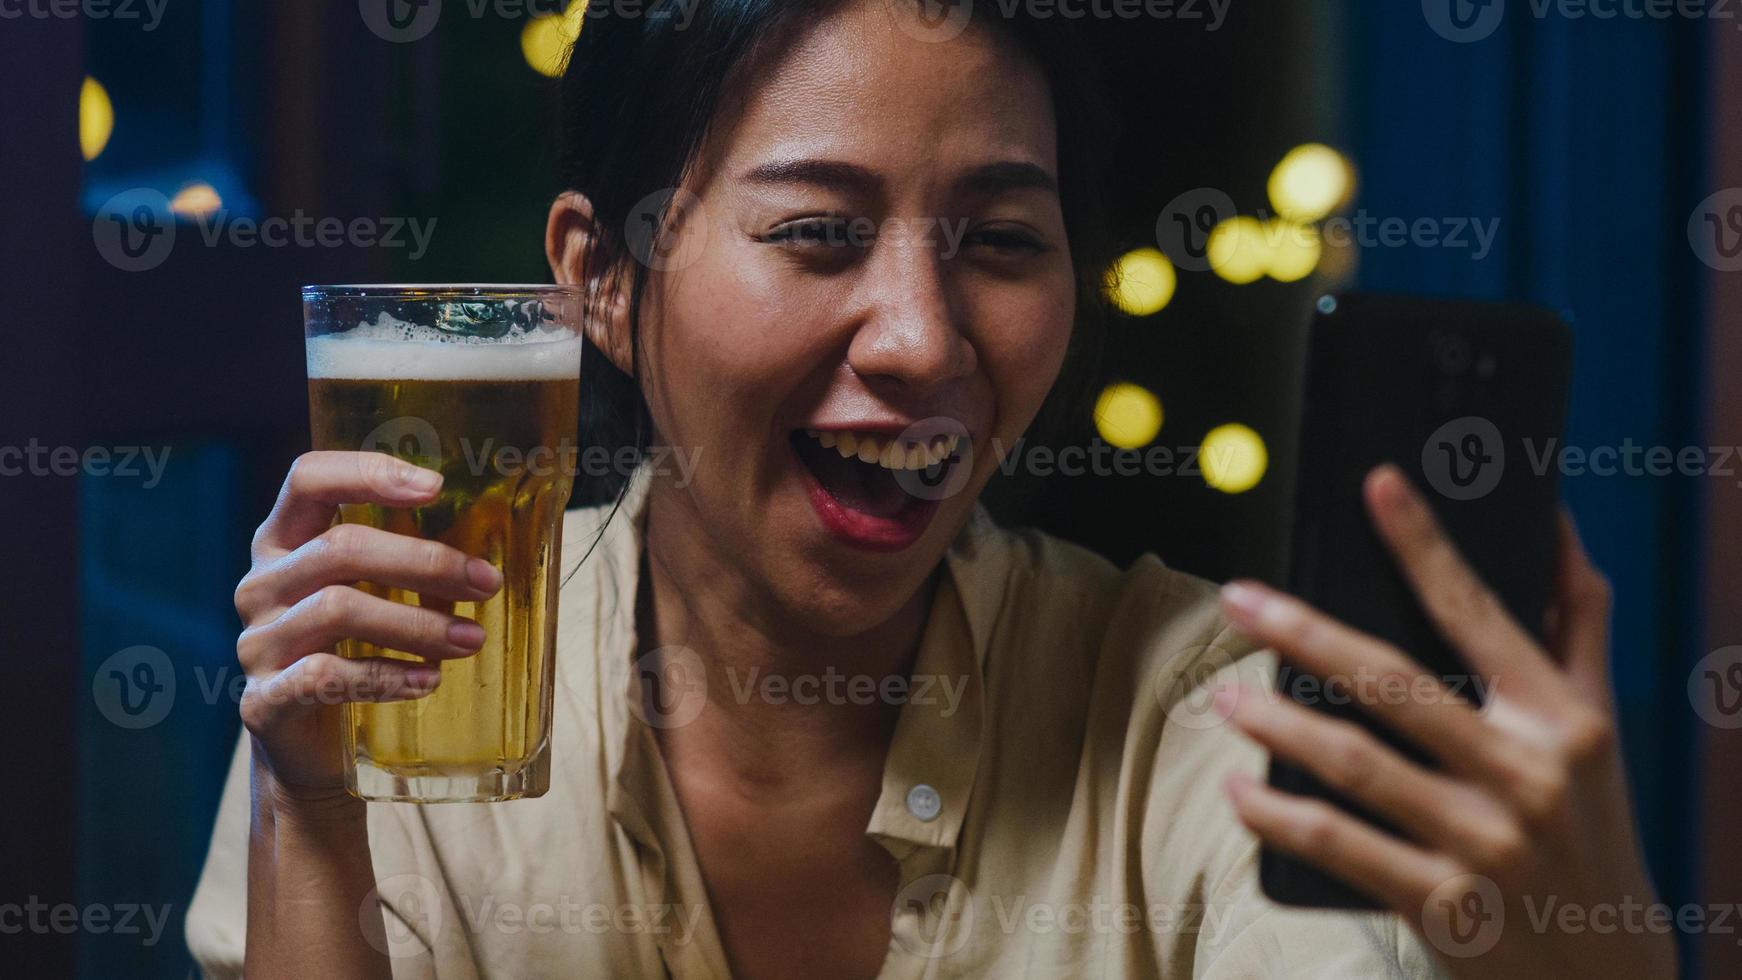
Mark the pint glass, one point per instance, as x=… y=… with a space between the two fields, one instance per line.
x=483 y=384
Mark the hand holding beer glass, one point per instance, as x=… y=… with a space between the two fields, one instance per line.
x=480 y=385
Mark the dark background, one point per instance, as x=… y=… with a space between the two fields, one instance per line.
x=1590 y=140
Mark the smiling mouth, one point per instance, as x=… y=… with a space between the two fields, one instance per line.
x=863 y=485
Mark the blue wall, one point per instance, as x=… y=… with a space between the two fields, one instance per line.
x=1580 y=137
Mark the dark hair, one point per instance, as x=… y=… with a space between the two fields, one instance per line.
x=638 y=96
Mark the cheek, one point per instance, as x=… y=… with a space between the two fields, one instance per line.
x=721 y=341
x=1024 y=341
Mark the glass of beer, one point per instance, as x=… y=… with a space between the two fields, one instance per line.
x=483 y=384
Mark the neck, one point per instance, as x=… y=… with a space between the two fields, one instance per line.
x=784 y=701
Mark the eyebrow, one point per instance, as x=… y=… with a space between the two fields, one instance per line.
x=1005 y=175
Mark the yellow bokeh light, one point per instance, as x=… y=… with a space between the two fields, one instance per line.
x=1237 y=250
x=1233 y=458
x=96 y=118
x=1128 y=415
x=1310 y=182
x=1142 y=282
x=1291 y=251
x=196 y=201
x=546 y=40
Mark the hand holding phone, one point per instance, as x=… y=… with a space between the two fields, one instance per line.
x=1452 y=811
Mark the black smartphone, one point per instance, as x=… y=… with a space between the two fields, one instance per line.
x=1469 y=399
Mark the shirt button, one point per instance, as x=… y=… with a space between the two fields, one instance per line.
x=923 y=802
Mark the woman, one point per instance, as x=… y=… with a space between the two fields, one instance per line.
x=1030 y=790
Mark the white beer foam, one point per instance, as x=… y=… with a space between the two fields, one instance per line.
x=392 y=349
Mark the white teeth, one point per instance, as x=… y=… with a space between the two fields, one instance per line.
x=891 y=454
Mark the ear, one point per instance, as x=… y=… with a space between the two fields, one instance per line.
x=569 y=240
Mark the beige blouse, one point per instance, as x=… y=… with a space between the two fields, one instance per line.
x=1052 y=795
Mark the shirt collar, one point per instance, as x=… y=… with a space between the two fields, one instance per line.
x=934 y=754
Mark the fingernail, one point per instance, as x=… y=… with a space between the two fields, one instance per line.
x=419 y=479
x=1388 y=483
x=467 y=635
x=423 y=677
x=1243 y=603
x=483 y=575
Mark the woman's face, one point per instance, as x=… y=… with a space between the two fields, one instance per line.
x=874 y=262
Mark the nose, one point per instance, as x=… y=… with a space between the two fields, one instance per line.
x=911 y=336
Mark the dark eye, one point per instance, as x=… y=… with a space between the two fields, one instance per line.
x=1006 y=240
x=830 y=232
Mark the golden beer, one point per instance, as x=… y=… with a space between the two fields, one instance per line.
x=498 y=421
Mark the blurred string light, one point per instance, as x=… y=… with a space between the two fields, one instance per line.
x=196 y=201
x=1291 y=250
x=1128 y=415
x=546 y=40
x=1310 y=182
x=1233 y=458
x=96 y=118
x=1237 y=250
x=1142 y=282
